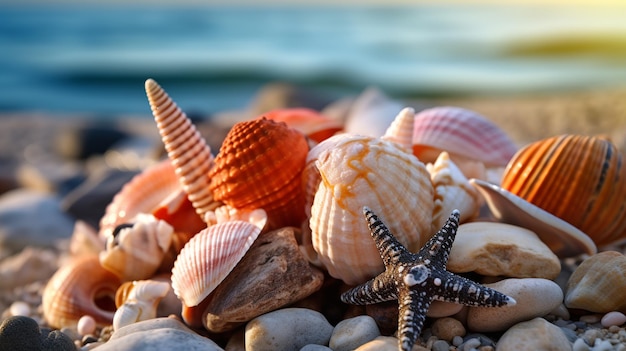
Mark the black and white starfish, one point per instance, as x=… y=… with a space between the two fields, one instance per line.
x=415 y=280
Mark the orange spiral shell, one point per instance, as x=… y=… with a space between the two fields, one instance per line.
x=580 y=179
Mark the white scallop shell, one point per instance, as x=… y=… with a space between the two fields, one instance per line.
x=209 y=257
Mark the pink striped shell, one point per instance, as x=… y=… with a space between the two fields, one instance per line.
x=460 y=132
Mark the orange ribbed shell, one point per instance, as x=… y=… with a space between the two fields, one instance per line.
x=259 y=166
x=580 y=179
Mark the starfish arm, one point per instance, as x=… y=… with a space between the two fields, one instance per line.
x=438 y=247
x=390 y=249
x=375 y=290
x=454 y=288
x=413 y=305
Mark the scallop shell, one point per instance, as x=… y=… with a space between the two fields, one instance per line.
x=260 y=166
x=137 y=301
x=186 y=148
x=136 y=252
x=81 y=287
x=598 y=284
x=464 y=134
x=581 y=179
x=208 y=258
x=311 y=123
x=562 y=238
x=361 y=171
x=401 y=129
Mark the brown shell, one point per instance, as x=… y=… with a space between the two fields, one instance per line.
x=259 y=166
x=81 y=287
x=581 y=179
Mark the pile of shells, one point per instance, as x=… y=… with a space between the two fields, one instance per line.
x=182 y=226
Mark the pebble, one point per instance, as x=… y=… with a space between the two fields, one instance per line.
x=580 y=345
x=86 y=325
x=314 y=347
x=613 y=318
x=23 y=333
x=31 y=218
x=287 y=329
x=272 y=274
x=499 y=249
x=447 y=328
x=81 y=141
x=535 y=297
x=440 y=345
x=29 y=265
x=352 y=333
x=532 y=335
x=19 y=308
x=381 y=343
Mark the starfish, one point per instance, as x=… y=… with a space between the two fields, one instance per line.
x=415 y=280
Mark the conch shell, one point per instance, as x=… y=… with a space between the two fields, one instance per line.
x=137 y=301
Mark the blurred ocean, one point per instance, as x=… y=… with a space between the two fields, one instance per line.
x=94 y=58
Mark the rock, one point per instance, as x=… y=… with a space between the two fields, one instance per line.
x=287 y=329
x=87 y=139
x=381 y=343
x=447 y=328
x=313 y=347
x=30 y=265
x=352 y=333
x=52 y=175
x=535 y=334
x=440 y=309
x=535 y=297
x=272 y=274
x=89 y=200
x=613 y=318
x=30 y=218
x=499 y=249
x=385 y=314
x=23 y=333
x=157 y=334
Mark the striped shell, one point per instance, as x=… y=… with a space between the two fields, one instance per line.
x=401 y=129
x=311 y=123
x=260 y=166
x=81 y=287
x=361 y=171
x=463 y=134
x=186 y=148
x=209 y=257
x=581 y=179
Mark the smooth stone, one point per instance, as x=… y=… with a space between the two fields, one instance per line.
x=50 y=175
x=287 y=329
x=535 y=297
x=385 y=314
x=447 y=328
x=81 y=141
x=381 y=343
x=532 y=335
x=440 y=309
x=30 y=218
x=352 y=333
x=499 y=249
x=272 y=274
x=30 y=265
x=580 y=345
x=313 y=347
x=440 y=345
x=613 y=318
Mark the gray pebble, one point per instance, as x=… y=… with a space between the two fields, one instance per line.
x=314 y=347
x=440 y=345
x=569 y=334
x=580 y=345
x=457 y=340
x=352 y=333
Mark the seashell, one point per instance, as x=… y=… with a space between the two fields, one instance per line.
x=208 y=258
x=85 y=240
x=311 y=123
x=137 y=301
x=562 y=238
x=598 y=284
x=371 y=113
x=260 y=166
x=401 y=129
x=580 y=179
x=136 y=251
x=467 y=136
x=80 y=287
x=188 y=151
x=452 y=191
x=362 y=171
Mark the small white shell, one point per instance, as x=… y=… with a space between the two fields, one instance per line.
x=401 y=129
x=139 y=301
x=209 y=257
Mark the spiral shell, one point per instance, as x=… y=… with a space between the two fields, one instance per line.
x=581 y=179
x=464 y=134
x=208 y=258
x=311 y=123
x=401 y=129
x=137 y=301
x=260 y=166
x=598 y=284
x=81 y=287
x=186 y=148
x=361 y=171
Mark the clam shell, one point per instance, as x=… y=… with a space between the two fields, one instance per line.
x=186 y=148
x=361 y=171
x=137 y=301
x=401 y=129
x=598 y=284
x=311 y=123
x=580 y=179
x=208 y=258
x=464 y=134
x=260 y=166
x=80 y=287
x=562 y=238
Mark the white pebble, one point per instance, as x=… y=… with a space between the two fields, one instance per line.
x=602 y=345
x=580 y=345
x=19 y=308
x=86 y=325
x=613 y=318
